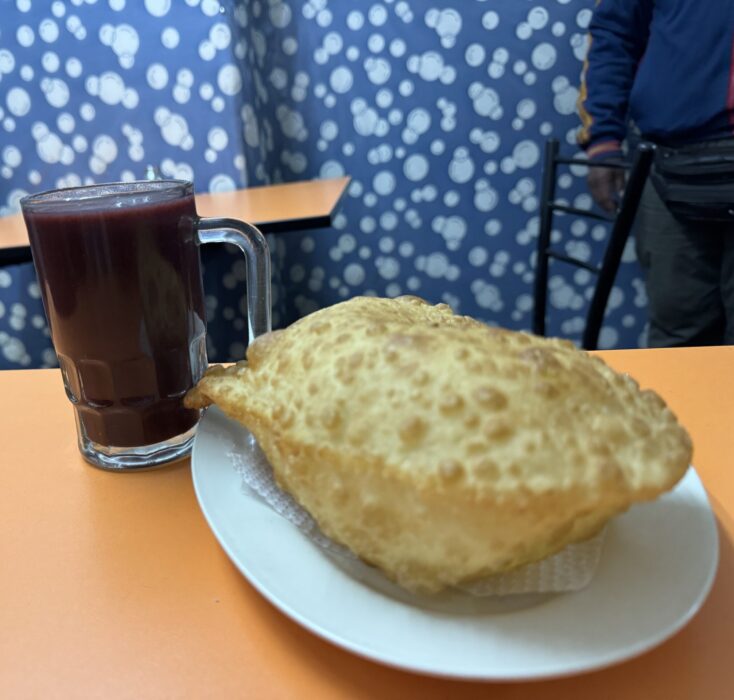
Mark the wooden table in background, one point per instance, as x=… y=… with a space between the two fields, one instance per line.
x=113 y=586
x=273 y=209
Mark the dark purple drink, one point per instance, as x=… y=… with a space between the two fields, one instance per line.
x=121 y=283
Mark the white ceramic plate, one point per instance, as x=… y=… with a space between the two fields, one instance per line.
x=658 y=564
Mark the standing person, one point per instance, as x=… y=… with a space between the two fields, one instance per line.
x=668 y=66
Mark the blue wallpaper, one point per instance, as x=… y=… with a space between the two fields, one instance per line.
x=438 y=111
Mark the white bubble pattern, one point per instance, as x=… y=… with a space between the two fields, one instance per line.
x=438 y=111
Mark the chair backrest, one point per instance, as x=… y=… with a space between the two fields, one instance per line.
x=621 y=225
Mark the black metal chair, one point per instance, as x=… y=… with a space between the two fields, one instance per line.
x=621 y=225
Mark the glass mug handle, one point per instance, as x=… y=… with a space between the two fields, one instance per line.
x=257 y=257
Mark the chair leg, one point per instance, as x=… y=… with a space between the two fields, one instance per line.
x=615 y=248
x=548 y=195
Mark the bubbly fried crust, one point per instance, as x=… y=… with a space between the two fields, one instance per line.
x=443 y=450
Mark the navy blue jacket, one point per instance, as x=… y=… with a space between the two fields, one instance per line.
x=665 y=64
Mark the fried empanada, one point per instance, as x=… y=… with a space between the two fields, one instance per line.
x=442 y=450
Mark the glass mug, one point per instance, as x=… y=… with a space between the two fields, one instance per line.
x=120 y=275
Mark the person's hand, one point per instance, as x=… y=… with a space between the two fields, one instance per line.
x=606 y=186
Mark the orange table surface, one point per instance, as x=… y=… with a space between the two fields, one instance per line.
x=112 y=585
x=272 y=207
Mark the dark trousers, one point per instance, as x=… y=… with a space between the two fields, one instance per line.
x=689 y=276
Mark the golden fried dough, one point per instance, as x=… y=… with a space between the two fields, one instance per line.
x=442 y=450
